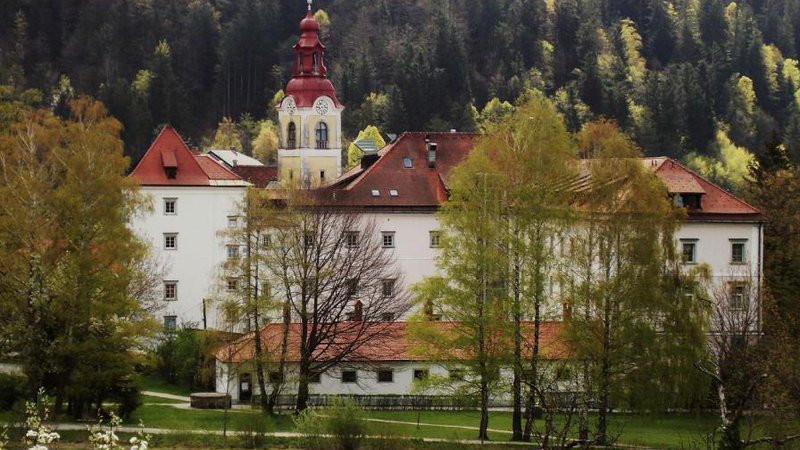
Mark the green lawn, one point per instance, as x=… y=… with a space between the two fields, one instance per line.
x=157 y=416
x=663 y=431
x=157 y=384
x=149 y=399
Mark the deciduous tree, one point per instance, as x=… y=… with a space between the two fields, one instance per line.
x=71 y=267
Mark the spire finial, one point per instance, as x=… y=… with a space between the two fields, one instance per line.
x=309 y=4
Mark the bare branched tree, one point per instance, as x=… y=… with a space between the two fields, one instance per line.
x=341 y=283
x=738 y=362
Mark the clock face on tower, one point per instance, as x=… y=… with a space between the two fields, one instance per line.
x=321 y=106
x=290 y=106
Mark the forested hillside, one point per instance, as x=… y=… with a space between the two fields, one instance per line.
x=687 y=78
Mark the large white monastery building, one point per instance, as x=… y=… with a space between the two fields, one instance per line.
x=195 y=198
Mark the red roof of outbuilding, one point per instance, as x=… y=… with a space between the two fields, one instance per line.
x=390 y=343
x=169 y=150
x=423 y=187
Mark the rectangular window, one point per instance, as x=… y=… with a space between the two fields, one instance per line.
x=386 y=376
x=387 y=317
x=314 y=377
x=322 y=175
x=738 y=251
x=232 y=284
x=387 y=288
x=170 y=290
x=435 y=239
x=233 y=251
x=266 y=241
x=738 y=300
x=233 y=221
x=276 y=377
x=351 y=287
x=420 y=374
x=352 y=239
x=170 y=206
x=170 y=241
x=457 y=374
x=308 y=240
x=689 y=251
x=388 y=239
x=349 y=376
x=170 y=322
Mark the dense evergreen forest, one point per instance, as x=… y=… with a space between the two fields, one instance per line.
x=706 y=81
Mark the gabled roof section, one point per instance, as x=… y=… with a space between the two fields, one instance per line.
x=716 y=202
x=169 y=153
x=389 y=182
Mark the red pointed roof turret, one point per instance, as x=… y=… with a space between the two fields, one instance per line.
x=310 y=73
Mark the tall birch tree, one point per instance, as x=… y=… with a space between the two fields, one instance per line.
x=621 y=257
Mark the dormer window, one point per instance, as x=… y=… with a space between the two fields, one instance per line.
x=170 y=164
x=690 y=201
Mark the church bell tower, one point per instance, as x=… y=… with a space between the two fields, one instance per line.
x=310 y=116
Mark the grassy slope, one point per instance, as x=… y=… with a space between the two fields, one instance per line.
x=155 y=383
x=672 y=431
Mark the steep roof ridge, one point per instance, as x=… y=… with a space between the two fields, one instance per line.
x=159 y=140
x=712 y=184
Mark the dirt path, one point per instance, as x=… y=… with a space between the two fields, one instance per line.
x=167 y=396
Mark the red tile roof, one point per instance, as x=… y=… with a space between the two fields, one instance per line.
x=258 y=176
x=422 y=187
x=391 y=342
x=418 y=186
x=169 y=150
x=215 y=170
x=716 y=202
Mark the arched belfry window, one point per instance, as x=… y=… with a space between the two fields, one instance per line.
x=315 y=63
x=291 y=135
x=322 y=135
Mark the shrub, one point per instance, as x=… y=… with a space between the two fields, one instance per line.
x=13 y=389
x=254 y=432
x=346 y=424
x=310 y=424
x=339 y=427
x=128 y=397
x=185 y=358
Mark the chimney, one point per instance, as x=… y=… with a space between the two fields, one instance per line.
x=358 y=311
x=431 y=147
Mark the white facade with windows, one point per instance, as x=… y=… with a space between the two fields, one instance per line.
x=388 y=378
x=185 y=231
